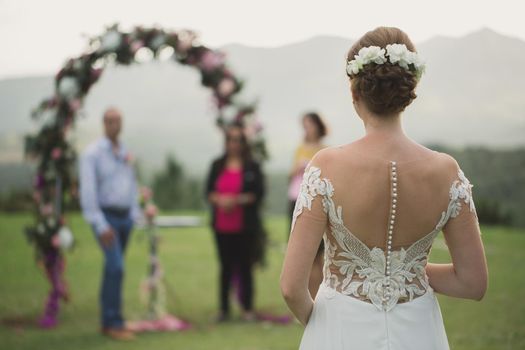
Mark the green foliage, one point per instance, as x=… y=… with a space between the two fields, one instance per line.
x=498 y=177
x=172 y=189
x=19 y=200
x=490 y=213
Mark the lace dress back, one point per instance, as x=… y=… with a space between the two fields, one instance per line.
x=380 y=219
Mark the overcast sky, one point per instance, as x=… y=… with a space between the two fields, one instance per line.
x=38 y=35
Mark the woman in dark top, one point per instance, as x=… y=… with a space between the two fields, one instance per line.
x=234 y=189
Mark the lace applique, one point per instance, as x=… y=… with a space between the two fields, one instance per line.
x=461 y=190
x=354 y=269
x=311 y=186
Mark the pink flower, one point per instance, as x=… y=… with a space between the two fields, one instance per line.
x=46 y=209
x=185 y=41
x=211 y=60
x=56 y=153
x=226 y=87
x=75 y=104
x=258 y=126
x=55 y=241
x=136 y=45
x=150 y=211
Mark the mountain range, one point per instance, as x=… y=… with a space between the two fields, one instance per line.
x=473 y=93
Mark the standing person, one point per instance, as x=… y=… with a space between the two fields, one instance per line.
x=314 y=131
x=378 y=203
x=109 y=200
x=235 y=188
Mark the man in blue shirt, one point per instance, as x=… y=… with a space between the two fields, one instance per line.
x=109 y=200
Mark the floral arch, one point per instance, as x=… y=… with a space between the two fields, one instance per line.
x=55 y=179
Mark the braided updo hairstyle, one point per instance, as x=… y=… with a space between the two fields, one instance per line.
x=385 y=88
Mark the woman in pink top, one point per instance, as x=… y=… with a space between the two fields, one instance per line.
x=234 y=189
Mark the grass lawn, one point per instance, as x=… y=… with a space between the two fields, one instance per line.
x=188 y=256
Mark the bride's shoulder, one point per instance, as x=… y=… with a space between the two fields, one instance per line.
x=326 y=156
x=445 y=162
x=447 y=169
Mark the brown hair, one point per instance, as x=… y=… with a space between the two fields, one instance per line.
x=385 y=88
x=246 y=151
x=322 y=130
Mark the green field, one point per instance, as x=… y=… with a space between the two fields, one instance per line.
x=188 y=255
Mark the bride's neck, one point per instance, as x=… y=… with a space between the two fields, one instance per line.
x=388 y=126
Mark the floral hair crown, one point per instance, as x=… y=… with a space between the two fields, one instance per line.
x=394 y=53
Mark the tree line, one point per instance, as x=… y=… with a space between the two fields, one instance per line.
x=498 y=177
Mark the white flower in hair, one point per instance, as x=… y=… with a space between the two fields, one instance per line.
x=354 y=66
x=398 y=53
x=372 y=54
x=365 y=56
x=419 y=64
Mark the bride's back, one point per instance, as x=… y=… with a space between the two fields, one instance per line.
x=362 y=181
x=380 y=201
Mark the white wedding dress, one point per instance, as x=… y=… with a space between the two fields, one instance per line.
x=376 y=295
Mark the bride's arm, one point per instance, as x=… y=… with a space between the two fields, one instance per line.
x=309 y=224
x=302 y=248
x=467 y=275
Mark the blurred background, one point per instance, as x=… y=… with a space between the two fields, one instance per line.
x=291 y=55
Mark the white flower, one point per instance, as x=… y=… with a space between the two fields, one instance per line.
x=398 y=53
x=111 y=41
x=366 y=55
x=413 y=58
x=353 y=67
x=48 y=117
x=65 y=237
x=68 y=87
x=419 y=64
x=372 y=54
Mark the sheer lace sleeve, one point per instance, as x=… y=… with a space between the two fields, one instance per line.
x=461 y=213
x=461 y=193
x=310 y=211
x=309 y=223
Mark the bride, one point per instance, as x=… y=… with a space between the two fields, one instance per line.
x=378 y=203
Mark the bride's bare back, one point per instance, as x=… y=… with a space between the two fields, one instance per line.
x=381 y=208
x=363 y=190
